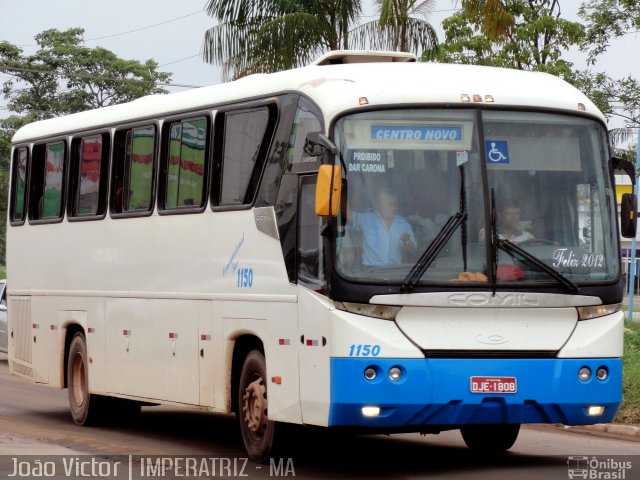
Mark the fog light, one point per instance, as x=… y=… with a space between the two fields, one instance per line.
x=395 y=374
x=602 y=373
x=595 y=410
x=370 y=411
x=584 y=374
x=370 y=373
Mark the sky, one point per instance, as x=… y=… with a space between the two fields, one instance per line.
x=172 y=32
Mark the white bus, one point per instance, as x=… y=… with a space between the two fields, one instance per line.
x=367 y=242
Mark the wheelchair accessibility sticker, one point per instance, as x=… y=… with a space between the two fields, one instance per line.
x=497 y=151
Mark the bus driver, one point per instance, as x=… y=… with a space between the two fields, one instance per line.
x=386 y=235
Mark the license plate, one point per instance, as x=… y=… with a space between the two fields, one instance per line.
x=493 y=385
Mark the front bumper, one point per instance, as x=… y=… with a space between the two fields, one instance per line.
x=437 y=392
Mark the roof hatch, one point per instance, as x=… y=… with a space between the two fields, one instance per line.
x=338 y=57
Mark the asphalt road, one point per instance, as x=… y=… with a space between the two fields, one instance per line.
x=35 y=419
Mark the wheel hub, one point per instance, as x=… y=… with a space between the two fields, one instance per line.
x=254 y=406
x=78 y=379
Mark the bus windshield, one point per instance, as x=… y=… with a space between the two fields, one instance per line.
x=445 y=185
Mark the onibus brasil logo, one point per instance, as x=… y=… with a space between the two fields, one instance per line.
x=594 y=468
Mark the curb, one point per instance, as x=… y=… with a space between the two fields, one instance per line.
x=628 y=432
x=635 y=316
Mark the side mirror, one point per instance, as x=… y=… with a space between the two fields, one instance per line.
x=624 y=166
x=628 y=215
x=328 y=190
x=316 y=144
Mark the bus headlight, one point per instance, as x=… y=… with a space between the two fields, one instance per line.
x=385 y=312
x=602 y=373
x=370 y=373
x=395 y=374
x=584 y=374
x=370 y=411
x=595 y=410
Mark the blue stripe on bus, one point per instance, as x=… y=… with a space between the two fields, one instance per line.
x=437 y=392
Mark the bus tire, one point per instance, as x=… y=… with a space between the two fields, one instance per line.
x=86 y=409
x=257 y=430
x=490 y=438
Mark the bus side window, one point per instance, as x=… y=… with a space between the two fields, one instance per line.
x=185 y=164
x=310 y=260
x=133 y=171
x=137 y=191
x=88 y=190
x=247 y=134
x=47 y=181
x=307 y=120
x=19 y=186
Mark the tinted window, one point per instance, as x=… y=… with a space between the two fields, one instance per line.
x=139 y=168
x=20 y=162
x=53 y=180
x=306 y=121
x=310 y=263
x=243 y=137
x=133 y=170
x=186 y=164
x=46 y=181
x=90 y=167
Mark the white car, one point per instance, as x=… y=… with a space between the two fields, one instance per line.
x=3 y=316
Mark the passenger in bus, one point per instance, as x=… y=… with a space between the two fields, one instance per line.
x=387 y=238
x=509 y=224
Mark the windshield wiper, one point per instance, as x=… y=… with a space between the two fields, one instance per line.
x=432 y=251
x=511 y=248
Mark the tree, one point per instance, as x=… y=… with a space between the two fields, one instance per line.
x=398 y=27
x=606 y=20
x=5 y=152
x=267 y=36
x=522 y=34
x=64 y=76
x=270 y=35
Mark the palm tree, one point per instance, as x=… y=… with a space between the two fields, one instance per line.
x=270 y=35
x=621 y=141
x=398 y=27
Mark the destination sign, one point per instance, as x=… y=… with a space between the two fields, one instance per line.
x=413 y=133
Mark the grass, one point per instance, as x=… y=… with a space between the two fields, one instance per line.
x=3 y=271
x=630 y=410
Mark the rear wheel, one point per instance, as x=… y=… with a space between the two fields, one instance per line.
x=86 y=409
x=257 y=430
x=490 y=438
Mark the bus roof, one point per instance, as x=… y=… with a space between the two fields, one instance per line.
x=336 y=88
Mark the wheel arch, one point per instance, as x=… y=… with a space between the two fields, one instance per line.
x=71 y=330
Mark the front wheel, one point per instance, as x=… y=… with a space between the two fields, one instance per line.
x=490 y=438
x=257 y=430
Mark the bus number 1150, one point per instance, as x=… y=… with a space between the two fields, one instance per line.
x=364 y=350
x=245 y=278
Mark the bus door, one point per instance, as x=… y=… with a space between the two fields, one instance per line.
x=313 y=308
